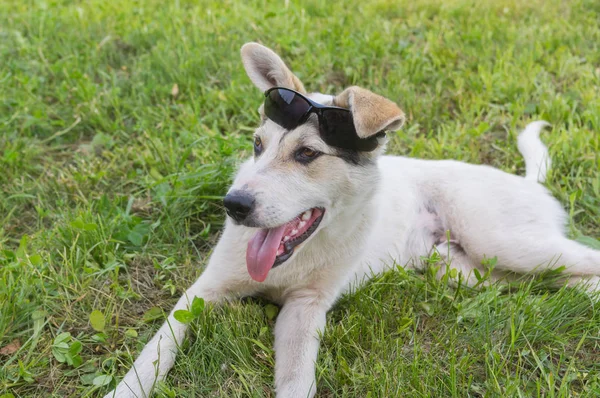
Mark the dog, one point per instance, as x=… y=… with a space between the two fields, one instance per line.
x=318 y=210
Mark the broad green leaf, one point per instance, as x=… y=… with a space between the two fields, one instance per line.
x=102 y=380
x=90 y=226
x=73 y=360
x=131 y=333
x=152 y=314
x=453 y=273
x=271 y=311
x=61 y=346
x=156 y=174
x=97 y=320
x=76 y=361
x=183 y=316
x=60 y=357
x=75 y=348
x=87 y=379
x=77 y=223
x=197 y=306
x=36 y=259
x=99 y=337
x=62 y=337
x=135 y=238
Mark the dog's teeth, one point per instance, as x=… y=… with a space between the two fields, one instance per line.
x=294 y=232
x=286 y=238
x=306 y=215
x=302 y=224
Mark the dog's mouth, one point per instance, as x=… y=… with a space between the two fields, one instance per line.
x=270 y=247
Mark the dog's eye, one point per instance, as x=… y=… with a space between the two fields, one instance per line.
x=305 y=155
x=257 y=145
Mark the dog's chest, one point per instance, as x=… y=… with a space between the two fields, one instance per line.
x=408 y=222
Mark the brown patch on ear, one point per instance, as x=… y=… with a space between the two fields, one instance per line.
x=267 y=70
x=372 y=113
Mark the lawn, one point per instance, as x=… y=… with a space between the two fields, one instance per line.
x=121 y=124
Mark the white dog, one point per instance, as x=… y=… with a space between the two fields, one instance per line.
x=318 y=210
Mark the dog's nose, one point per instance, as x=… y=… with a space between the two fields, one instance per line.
x=238 y=204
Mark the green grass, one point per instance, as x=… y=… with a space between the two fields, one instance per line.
x=110 y=188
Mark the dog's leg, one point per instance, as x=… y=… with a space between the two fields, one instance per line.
x=158 y=356
x=552 y=251
x=535 y=253
x=221 y=279
x=297 y=331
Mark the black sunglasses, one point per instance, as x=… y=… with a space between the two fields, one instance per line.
x=290 y=109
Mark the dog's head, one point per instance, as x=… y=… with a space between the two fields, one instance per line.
x=300 y=178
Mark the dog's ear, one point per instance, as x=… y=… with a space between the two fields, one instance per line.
x=371 y=113
x=267 y=70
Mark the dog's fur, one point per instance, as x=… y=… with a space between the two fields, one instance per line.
x=379 y=211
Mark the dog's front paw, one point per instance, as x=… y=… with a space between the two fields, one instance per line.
x=125 y=390
x=293 y=390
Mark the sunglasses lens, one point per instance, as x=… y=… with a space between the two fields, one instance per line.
x=285 y=108
x=337 y=129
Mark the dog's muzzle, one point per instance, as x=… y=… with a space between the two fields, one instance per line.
x=239 y=205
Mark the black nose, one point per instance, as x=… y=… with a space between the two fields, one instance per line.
x=238 y=204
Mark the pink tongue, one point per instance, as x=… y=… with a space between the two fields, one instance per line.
x=261 y=252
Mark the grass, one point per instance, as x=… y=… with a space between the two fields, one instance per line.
x=121 y=124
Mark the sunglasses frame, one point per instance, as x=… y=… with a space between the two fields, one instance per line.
x=359 y=144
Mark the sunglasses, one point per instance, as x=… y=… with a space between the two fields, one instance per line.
x=290 y=109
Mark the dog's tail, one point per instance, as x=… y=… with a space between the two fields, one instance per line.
x=537 y=160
